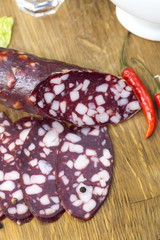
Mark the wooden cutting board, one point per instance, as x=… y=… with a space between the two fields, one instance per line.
x=87 y=33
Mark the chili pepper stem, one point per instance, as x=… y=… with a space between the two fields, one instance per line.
x=156 y=87
x=122 y=65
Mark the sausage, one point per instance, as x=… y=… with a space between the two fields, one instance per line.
x=64 y=92
x=11 y=196
x=38 y=170
x=2 y=216
x=84 y=170
x=3 y=119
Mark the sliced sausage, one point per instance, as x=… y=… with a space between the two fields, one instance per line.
x=38 y=170
x=11 y=196
x=86 y=98
x=84 y=170
x=63 y=91
x=2 y=216
x=3 y=121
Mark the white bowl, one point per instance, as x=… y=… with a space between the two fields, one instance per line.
x=141 y=17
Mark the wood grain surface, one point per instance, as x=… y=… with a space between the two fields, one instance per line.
x=87 y=33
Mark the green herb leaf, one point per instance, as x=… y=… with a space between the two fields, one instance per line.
x=6 y=24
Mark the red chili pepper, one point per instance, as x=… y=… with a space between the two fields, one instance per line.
x=146 y=102
x=157 y=99
x=156 y=87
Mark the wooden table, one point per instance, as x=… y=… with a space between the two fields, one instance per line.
x=87 y=33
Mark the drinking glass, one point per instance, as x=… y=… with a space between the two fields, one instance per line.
x=39 y=8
